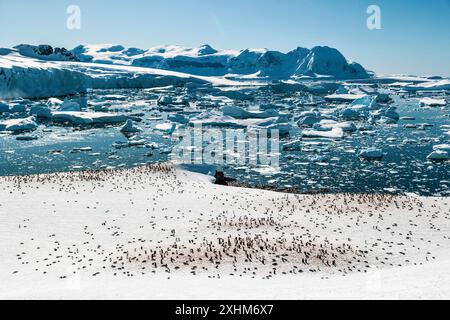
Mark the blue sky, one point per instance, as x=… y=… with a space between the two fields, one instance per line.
x=414 y=38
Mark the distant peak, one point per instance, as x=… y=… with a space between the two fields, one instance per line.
x=206 y=49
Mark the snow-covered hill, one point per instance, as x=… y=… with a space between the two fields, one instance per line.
x=28 y=77
x=145 y=233
x=207 y=61
x=29 y=71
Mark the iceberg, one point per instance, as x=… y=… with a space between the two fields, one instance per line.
x=335 y=133
x=18 y=125
x=365 y=103
x=326 y=125
x=87 y=118
x=130 y=127
x=283 y=129
x=26 y=138
x=4 y=108
x=309 y=118
x=70 y=106
x=240 y=113
x=54 y=102
x=17 y=108
x=165 y=100
x=295 y=145
x=387 y=116
x=430 y=102
x=371 y=154
x=439 y=155
x=442 y=147
x=41 y=111
x=328 y=61
x=344 y=97
x=178 y=118
x=166 y=127
x=217 y=121
x=349 y=114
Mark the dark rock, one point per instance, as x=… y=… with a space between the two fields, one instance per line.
x=66 y=53
x=221 y=179
x=44 y=50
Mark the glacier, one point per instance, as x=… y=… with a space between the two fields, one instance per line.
x=41 y=71
x=207 y=61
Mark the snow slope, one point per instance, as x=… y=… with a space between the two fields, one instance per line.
x=30 y=78
x=103 y=235
x=27 y=77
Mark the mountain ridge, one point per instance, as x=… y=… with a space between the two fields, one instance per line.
x=320 y=61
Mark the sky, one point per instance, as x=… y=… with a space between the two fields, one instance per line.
x=414 y=37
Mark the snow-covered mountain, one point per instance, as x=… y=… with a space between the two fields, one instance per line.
x=42 y=71
x=28 y=77
x=207 y=61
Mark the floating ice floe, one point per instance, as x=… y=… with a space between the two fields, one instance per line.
x=349 y=114
x=364 y=103
x=295 y=145
x=166 y=127
x=86 y=118
x=439 y=155
x=388 y=116
x=335 y=133
x=178 y=118
x=442 y=147
x=429 y=86
x=283 y=129
x=4 y=108
x=371 y=154
x=309 y=118
x=327 y=125
x=383 y=98
x=344 y=97
x=240 y=113
x=70 y=106
x=431 y=102
x=12 y=108
x=130 y=127
x=17 y=108
x=54 y=102
x=385 y=120
x=165 y=100
x=210 y=120
x=18 y=125
x=128 y=144
x=26 y=138
x=41 y=111
x=82 y=149
x=137 y=142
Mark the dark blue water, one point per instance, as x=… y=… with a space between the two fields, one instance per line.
x=331 y=165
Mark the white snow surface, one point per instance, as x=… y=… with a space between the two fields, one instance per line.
x=61 y=234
